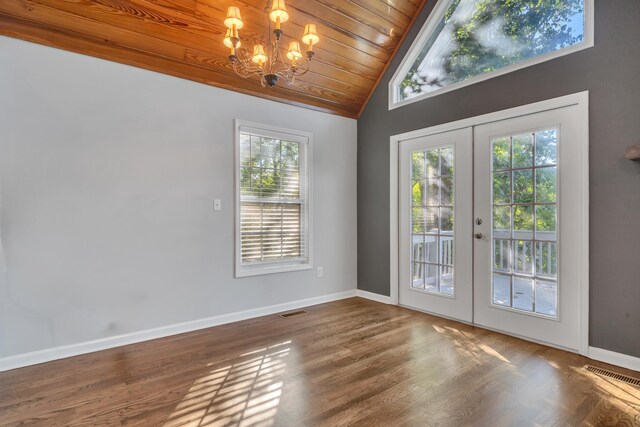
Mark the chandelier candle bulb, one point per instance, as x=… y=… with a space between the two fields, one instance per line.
x=294 y=52
x=259 y=56
x=279 y=13
x=310 y=38
x=235 y=37
x=229 y=39
x=233 y=19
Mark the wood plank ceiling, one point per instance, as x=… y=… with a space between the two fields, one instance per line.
x=184 y=38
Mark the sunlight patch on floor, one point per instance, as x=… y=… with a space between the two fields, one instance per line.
x=466 y=345
x=244 y=393
x=491 y=352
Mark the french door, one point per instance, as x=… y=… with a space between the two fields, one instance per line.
x=492 y=222
x=435 y=224
x=528 y=211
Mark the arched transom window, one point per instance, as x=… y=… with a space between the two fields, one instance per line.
x=466 y=41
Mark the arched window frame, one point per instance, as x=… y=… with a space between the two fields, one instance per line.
x=431 y=24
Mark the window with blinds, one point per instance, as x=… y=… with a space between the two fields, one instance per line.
x=273 y=223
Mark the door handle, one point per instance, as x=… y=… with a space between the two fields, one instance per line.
x=478 y=236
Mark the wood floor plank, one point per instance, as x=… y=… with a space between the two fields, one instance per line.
x=349 y=362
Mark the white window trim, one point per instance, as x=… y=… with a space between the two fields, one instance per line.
x=432 y=21
x=271 y=267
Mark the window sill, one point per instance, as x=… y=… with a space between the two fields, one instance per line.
x=262 y=269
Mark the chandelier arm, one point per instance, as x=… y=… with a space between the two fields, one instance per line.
x=300 y=72
x=282 y=68
x=287 y=76
x=302 y=66
x=243 y=66
x=289 y=73
x=243 y=54
x=246 y=72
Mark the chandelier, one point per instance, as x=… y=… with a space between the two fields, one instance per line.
x=269 y=67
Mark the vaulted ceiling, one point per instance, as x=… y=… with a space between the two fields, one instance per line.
x=184 y=38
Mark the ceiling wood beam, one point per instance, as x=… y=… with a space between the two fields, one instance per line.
x=183 y=38
x=386 y=66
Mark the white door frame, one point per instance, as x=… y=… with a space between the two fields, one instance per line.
x=581 y=100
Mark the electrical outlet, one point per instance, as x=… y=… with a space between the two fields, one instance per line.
x=217 y=204
x=320 y=272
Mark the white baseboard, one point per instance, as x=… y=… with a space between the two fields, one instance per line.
x=47 y=355
x=613 y=358
x=373 y=296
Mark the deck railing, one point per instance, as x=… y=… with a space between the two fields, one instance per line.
x=542 y=250
x=423 y=248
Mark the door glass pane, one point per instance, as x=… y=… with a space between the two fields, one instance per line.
x=431 y=278
x=432 y=188
x=546 y=147
x=432 y=220
x=418 y=253
x=446 y=251
x=446 y=220
x=525 y=222
x=446 y=161
x=432 y=249
x=501 y=187
x=546 y=297
x=433 y=162
x=546 y=259
x=522 y=257
x=502 y=290
x=523 y=293
x=446 y=191
x=546 y=222
x=418 y=194
x=501 y=153
x=417 y=220
x=502 y=255
x=446 y=279
x=522 y=150
x=417 y=281
x=546 y=182
x=502 y=221
x=522 y=186
x=417 y=165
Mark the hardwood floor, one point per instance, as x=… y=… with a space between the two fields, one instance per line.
x=350 y=362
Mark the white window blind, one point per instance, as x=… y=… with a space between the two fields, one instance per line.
x=273 y=201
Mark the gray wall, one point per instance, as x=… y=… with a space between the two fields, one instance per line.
x=611 y=72
x=107 y=180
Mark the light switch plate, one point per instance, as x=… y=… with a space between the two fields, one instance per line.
x=217 y=204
